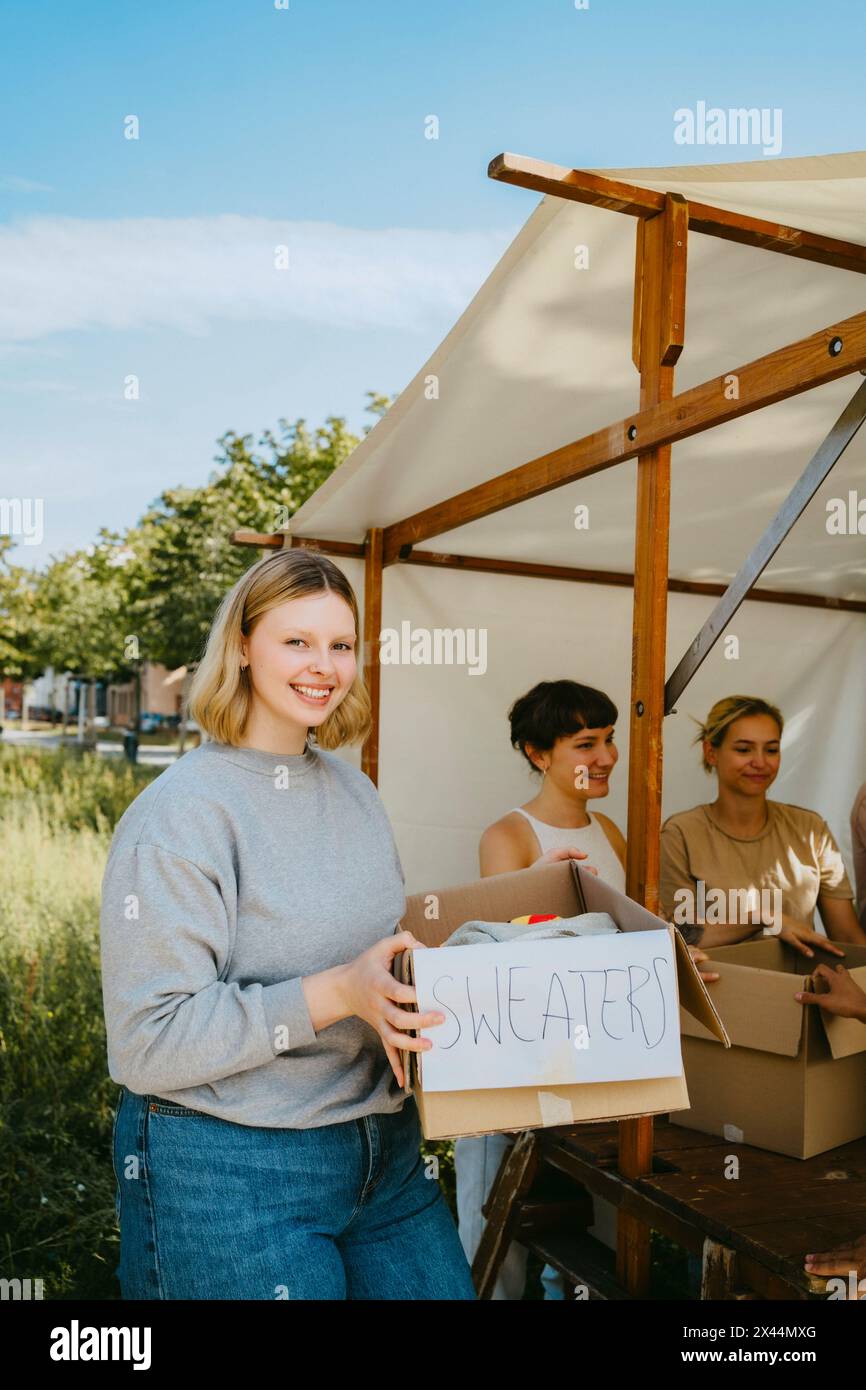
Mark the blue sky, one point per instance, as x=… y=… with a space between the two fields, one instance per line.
x=153 y=257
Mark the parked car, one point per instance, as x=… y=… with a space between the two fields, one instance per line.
x=38 y=713
x=150 y=723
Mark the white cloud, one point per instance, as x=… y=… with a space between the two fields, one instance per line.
x=60 y=273
x=11 y=183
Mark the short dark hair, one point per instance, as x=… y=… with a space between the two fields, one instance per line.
x=555 y=709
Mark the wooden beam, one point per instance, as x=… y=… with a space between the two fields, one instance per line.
x=581 y=186
x=577 y=185
x=789 y=371
x=372 y=629
x=272 y=540
x=276 y=540
x=619 y=579
x=637 y=293
x=673 y=301
x=622 y=579
x=514 y=1178
x=664 y=271
x=662 y=298
x=719 y=1276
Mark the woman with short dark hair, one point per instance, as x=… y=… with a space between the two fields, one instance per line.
x=565 y=731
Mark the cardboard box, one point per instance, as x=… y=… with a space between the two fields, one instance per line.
x=566 y=889
x=794 y=1080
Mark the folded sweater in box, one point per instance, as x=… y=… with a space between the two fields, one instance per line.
x=585 y=924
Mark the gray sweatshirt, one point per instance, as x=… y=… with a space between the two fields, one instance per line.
x=232 y=875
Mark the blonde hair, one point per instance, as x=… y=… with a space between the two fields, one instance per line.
x=723 y=714
x=221 y=694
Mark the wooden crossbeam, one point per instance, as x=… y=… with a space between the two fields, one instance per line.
x=486 y=564
x=580 y=186
x=275 y=540
x=823 y=356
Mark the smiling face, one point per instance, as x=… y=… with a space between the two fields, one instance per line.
x=747 y=762
x=580 y=764
x=302 y=660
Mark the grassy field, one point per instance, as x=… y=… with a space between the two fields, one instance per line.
x=58 y=809
x=56 y=1098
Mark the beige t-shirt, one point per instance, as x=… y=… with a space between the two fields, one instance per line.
x=858 y=841
x=795 y=853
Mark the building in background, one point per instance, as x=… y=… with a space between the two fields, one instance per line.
x=11 y=698
x=53 y=694
x=162 y=694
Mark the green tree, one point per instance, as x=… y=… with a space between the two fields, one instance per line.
x=151 y=594
x=17 y=588
x=183 y=559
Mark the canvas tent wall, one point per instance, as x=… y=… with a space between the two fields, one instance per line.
x=540 y=357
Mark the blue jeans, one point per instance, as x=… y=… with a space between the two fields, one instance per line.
x=210 y=1209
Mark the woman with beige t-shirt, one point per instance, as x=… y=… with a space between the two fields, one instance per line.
x=742 y=863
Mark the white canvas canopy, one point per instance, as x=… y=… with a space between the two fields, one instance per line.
x=542 y=357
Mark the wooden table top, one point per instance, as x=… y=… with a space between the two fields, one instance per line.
x=775 y=1211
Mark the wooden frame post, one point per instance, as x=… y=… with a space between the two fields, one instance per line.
x=372 y=629
x=659 y=307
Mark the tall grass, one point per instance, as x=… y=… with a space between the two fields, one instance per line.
x=56 y=1098
x=72 y=790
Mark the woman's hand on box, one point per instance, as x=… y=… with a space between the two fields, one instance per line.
x=708 y=976
x=840 y=995
x=552 y=855
x=802 y=938
x=371 y=992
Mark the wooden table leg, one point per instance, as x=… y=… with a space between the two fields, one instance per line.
x=514 y=1179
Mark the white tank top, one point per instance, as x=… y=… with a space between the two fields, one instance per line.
x=590 y=838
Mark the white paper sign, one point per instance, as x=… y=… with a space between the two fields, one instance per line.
x=549 y=1013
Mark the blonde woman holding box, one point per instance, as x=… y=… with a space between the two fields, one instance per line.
x=263 y=1145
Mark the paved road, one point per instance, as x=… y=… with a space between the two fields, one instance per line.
x=149 y=754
